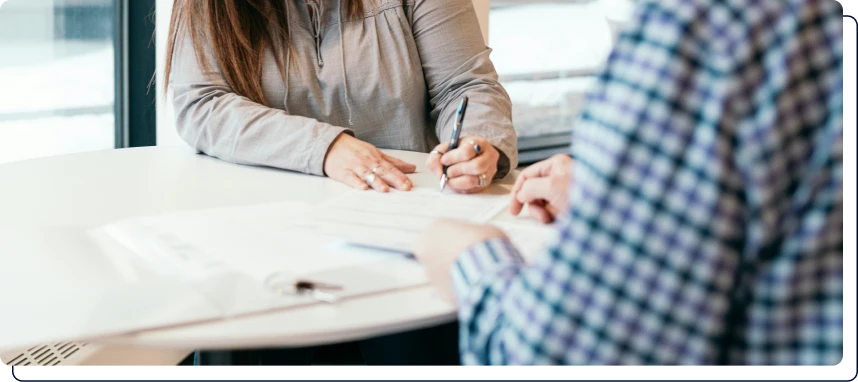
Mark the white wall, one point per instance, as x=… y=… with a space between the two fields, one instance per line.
x=166 y=127
x=482 y=7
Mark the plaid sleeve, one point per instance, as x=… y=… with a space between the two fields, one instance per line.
x=701 y=229
x=481 y=273
x=492 y=256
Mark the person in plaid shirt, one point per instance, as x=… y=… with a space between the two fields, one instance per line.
x=705 y=218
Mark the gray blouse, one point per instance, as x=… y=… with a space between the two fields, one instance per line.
x=392 y=78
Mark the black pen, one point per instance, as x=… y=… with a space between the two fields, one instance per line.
x=457 y=131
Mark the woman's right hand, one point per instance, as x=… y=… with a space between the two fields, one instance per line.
x=352 y=161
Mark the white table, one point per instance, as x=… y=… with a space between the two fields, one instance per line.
x=46 y=199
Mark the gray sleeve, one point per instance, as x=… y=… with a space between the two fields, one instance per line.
x=218 y=122
x=456 y=62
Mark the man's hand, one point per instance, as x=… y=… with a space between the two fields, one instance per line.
x=544 y=188
x=440 y=246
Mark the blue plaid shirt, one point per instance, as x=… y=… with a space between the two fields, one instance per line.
x=706 y=214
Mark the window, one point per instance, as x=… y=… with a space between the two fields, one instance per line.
x=547 y=54
x=57 y=69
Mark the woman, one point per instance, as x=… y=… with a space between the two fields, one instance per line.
x=318 y=86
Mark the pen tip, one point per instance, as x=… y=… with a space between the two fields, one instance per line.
x=443 y=184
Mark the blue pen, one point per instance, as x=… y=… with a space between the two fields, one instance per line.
x=457 y=131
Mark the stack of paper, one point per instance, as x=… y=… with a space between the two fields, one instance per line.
x=224 y=256
x=294 y=237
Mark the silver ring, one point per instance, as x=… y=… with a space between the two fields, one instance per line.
x=435 y=152
x=369 y=179
x=483 y=181
x=477 y=148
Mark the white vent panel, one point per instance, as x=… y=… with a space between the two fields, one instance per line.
x=61 y=353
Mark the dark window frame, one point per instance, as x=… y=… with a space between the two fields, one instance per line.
x=136 y=117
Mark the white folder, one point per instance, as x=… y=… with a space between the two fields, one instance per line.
x=60 y=295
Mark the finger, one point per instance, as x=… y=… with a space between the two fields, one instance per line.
x=553 y=210
x=440 y=149
x=380 y=185
x=476 y=166
x=354 y=181
x=464 y=184
x=561 y=161
x=515 y=206
x=403 y=166
x=534 y=189
x=433 y=161
x=462 y=154
x=538 y=170
x=465 y=152
x=377 y=184
x=519 y=181
x=393 y=176
x=539 y=212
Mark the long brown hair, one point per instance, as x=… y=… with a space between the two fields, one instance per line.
x=240 y=32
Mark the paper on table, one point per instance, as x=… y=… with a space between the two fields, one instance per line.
x=395 y=220
x=253 y=240
x=531 y=238
x=227 y=255
x=159 y=247
x=213 y=264
x=421 y=203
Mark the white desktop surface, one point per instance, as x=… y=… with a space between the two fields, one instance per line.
x=48 y=203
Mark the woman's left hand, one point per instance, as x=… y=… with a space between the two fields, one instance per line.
x=472 y=166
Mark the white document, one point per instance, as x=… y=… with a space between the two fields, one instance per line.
x=255 y=241
x=394 y=221
x=221 y=260
x=530 y=237
x=218 y=260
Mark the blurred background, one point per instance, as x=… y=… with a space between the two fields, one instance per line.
x=76 y=73
x=547 y=54
x=57 y=70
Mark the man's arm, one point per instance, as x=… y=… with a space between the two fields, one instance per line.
x=645 y=265
x=635 y=275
